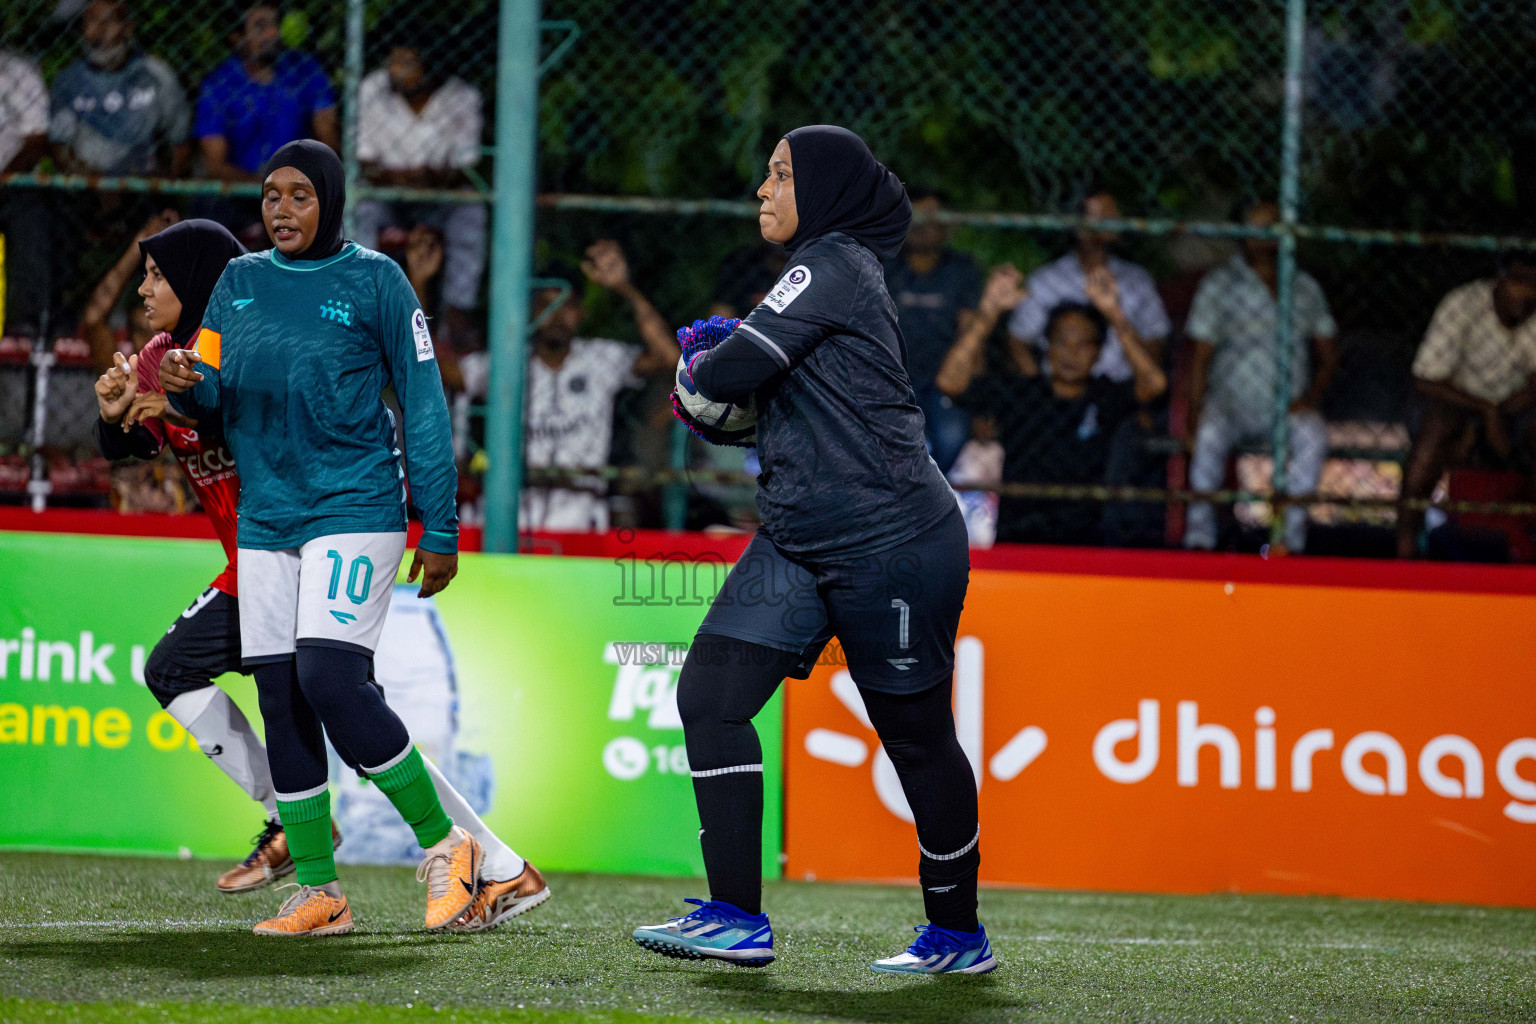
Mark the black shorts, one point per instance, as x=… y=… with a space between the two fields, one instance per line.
x=201 y=645
x=894 y=614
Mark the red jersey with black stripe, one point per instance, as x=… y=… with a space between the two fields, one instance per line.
x=204 y=458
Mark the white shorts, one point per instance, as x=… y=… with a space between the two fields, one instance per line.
x=332 y=592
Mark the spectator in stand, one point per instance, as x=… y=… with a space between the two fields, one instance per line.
x=1066 y=280
x=936 y=291
x=979 y=464
x=967 y=357
x=96 y=323
x=24 y=219
x=571 y=387
x=423 y=262
x=262 y=97
x=1475 y=369
x=1073 y=427
x=117 y=110
x=23 y=113
x=1234 y=329
x=420 y=129
x=114 y=111
x=423 y=266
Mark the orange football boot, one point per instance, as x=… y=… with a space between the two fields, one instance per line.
x=309 y=911
x=452 y=875
x=268 y=862
x=496 y=902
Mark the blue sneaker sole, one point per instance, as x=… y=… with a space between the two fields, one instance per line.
x=985 y=967
x=678 y=951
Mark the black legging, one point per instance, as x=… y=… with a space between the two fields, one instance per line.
x=330 y=686
x=725 y=682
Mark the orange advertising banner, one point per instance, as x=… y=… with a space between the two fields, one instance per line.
x=1177 y=735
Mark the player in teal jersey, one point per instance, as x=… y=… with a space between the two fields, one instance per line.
x=296 y=345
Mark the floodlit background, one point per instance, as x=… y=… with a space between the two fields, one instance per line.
x=1399 y=170
x=1212 y=786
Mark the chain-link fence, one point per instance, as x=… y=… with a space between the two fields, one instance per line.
x=118 y=119
x=1157 y=174
x=1412 y=175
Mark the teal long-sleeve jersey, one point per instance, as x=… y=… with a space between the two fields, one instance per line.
x=295 y=358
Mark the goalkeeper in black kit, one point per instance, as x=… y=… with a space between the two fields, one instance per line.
x=862 y=540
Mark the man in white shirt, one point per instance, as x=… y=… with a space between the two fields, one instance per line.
x=1066 y=280
x=571 y=387
x=23 y=216
x=23 y=113
x=418 y=130
x=1474 y=368
x=1234 y=326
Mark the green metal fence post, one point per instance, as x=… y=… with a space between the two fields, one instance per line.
x=517 y=119
x=675 y=497
x=1285 y=284
x=352 y=77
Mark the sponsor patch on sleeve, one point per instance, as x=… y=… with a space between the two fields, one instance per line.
x=794 y=281
x=423 y=337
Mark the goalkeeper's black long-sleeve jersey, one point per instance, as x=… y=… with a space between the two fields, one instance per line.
x=845 y=471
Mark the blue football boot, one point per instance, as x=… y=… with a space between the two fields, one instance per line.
x=715 y=931
x=941 y=951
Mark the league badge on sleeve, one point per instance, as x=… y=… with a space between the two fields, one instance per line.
x=794 y=281
x=423 y=337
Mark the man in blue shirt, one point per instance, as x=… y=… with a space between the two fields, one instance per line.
x=262 y=97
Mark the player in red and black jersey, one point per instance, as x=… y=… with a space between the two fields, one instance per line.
x=182 y=264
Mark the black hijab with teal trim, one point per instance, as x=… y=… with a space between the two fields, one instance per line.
x=840 y=186
x=320 y=164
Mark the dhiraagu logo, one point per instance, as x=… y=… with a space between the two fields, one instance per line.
x=645 y=695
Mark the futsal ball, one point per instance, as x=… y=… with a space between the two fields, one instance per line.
x=725 y=416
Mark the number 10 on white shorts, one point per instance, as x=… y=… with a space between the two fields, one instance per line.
x=334 y=592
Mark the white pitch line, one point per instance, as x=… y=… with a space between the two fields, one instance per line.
x=167 y=923
x=1085 y=941
x=1149 y=941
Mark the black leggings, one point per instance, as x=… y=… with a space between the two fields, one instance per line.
x=725 y=682
x=331 y=686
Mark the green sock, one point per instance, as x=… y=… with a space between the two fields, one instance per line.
x=410 y=789
x=307 y=823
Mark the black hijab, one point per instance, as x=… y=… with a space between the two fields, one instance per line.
x=320 y=164
x=840 y=186
x=191 y=255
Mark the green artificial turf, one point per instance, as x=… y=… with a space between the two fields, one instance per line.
x=115 y=939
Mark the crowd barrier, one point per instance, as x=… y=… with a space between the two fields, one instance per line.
x=1162 y=735
x=524 y=681
x=1136 y=720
